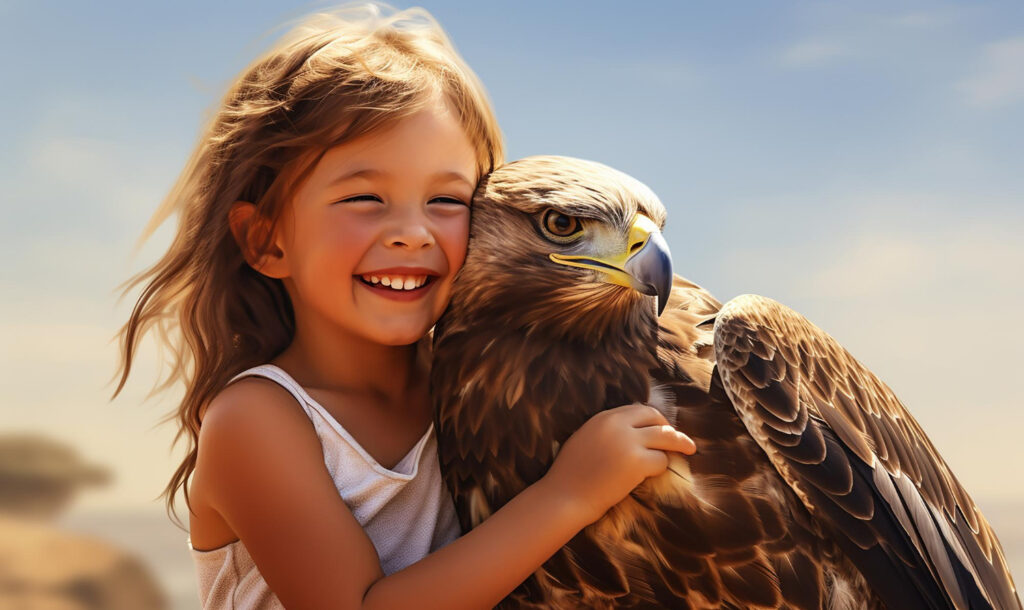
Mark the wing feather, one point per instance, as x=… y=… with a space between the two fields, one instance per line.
x=858 y=460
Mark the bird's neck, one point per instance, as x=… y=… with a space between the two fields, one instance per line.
x=519 y=395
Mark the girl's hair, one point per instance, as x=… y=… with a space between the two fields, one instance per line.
x=334 y=77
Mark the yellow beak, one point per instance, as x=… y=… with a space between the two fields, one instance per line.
x=645 y=265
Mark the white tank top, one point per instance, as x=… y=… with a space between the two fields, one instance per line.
x=406 y=511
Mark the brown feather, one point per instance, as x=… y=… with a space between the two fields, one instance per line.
x=871 y=427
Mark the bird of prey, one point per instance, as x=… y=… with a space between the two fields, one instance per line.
x=812 y=485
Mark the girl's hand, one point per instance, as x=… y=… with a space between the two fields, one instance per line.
x=613 y=452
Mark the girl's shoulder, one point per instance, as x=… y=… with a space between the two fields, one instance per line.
x=245 y=392
x=239 y=426
x=254 y=408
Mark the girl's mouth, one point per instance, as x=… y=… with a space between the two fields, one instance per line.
x=398 y=287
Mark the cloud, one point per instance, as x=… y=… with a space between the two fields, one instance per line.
x=76 y=175
x=836 y=31
x=921 y=19
x=660 y=71
x=877 y=246
x=813 y=53
x=877 y=263
x=1000 y=77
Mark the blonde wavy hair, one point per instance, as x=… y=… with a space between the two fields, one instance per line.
x=332 y=78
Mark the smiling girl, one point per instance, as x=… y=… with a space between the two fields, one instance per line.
x=322 y=219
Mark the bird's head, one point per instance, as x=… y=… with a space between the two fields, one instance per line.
x=566 y=246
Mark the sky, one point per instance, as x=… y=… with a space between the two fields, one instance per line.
x=859 y=162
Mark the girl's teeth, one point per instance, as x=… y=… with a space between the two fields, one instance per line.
x=397 y=283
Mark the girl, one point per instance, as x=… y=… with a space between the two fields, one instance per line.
x=323 y=217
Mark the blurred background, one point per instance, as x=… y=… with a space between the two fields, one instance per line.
x=860 y=162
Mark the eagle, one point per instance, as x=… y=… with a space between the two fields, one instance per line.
x=812 y=486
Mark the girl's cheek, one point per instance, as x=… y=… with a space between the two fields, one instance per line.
x=352 y=231
x=452 y=233
x=459 y=248
x=463 y=230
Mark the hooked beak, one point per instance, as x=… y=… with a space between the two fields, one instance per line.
x=644 y=266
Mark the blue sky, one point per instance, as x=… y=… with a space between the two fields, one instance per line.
x=860 y=162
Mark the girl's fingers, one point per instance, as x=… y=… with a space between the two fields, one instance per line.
x=640 y=415
x=655 y=462
x=658 y=433
x=667 y=438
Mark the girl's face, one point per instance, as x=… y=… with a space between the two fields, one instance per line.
x=373 y=237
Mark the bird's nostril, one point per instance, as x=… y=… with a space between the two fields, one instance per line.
x=636 y=246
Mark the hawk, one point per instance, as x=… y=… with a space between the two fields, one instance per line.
x=812 y=485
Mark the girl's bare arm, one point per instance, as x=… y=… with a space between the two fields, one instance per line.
x=263 y=469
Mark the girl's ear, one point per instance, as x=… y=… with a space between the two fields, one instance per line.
x=249 y=231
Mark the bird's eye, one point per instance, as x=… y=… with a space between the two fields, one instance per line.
x=560 y=225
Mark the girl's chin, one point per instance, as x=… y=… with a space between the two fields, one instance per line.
x=400 y=335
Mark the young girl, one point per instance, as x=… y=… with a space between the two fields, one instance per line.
x=322 y=218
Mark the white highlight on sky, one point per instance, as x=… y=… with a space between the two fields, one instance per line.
x=1000 y=78
x=813 y=53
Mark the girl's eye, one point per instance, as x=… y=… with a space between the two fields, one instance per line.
x=447 y=200
x=363 y=197
x=561 y=225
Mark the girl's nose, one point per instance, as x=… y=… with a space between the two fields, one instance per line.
x=410 y=234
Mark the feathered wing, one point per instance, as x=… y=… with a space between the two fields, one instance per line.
x=858 y=461
x=761 y=549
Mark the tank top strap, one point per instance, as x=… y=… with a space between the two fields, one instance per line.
x=276 y=374
x=407 y=467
